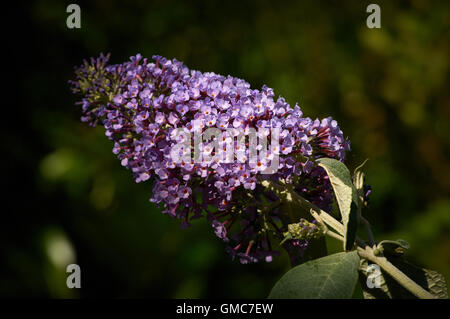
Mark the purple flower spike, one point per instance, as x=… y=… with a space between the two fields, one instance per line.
x=142 y=103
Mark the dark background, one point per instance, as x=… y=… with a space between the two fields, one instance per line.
x=68 y=200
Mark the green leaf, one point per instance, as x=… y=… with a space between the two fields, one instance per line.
x=333 y=276
x=392 y=247
x=351 y=227
x=429 y=280
x=346 y=194
x=358 y=181
x=358 y=175
x=436 y=284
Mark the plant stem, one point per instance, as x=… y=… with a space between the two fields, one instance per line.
x=327 y=232
x=395 y=273
x=334 y=235
x=366 y=224
x=327 y=218
x=286 y=192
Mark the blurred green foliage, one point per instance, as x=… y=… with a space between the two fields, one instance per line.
x=388 y=88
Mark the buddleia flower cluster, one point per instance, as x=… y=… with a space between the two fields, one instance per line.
x=142 y=104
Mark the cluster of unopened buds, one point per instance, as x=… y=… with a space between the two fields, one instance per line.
x=206 y=141
x=303 y=230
